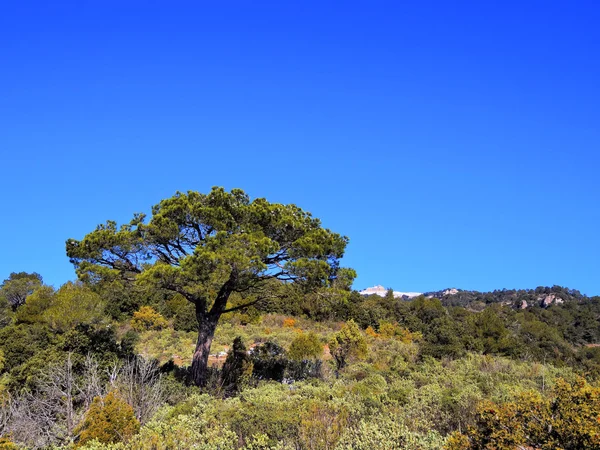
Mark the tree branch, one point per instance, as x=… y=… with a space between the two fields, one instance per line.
x=245 y=305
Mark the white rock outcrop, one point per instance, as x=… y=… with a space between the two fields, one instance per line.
x=381 y=291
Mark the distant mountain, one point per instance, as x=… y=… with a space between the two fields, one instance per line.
x=382 y=292
x=517 y=298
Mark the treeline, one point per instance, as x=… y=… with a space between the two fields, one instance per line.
x=563 y=333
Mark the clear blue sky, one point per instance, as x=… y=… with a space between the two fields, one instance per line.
x=457 y=144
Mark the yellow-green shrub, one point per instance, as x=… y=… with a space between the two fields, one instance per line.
x=305 y=346
x=108 y=420
x=7 y=444
x=147 y=318
x=568 y=419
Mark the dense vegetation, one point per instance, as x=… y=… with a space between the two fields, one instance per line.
x=106 y=362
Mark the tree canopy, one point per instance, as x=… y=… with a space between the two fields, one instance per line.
x=207 y=246
x=18 y=286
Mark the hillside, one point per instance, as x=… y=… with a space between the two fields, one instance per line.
x=302 y=370
x=518 y=298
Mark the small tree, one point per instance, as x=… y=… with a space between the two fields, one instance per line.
x=237 y=367
x=109 y=420
x=18 y=286
x=207 y=247
x=72 y=305
x=348 y=343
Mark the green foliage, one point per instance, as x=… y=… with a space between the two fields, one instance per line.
x=182 y=311
x=129 y=341
x=174 y=428
x=394 y=331
x=568 y=419
x=147 y=318
x=86 y=339
x=184 y=432
x=123 y=297
x=387 y=433
x=237 y=368
x=35 y=306
x=207 y=247
x=322 y=424
x=348 y=343
x=108 y=420
x=21 y=342
x=72 y=305
x=223 y=229
x=18 y=286
x=6 y=312
x=269 y=361
x=266 y=411
x=305 y=346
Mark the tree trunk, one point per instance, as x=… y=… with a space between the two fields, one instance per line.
x=206 y=331
x=207 y=323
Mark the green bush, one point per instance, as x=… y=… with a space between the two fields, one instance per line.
x=349 y=343
x=305 y=346
x=387 y=433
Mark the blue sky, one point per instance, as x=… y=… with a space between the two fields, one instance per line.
x=457 y=144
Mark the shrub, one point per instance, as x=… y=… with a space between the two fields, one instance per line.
x=184 y=432
x=147 y=318
x=73 y=305
x=348 y=343
x=108 y=420
x=250 y=316
x=371 y=332
x=237 y=368
x=321 y=425
x=567 y=420
x=35 y=305
x=305 y=346
x=290 y=322
x=271 y=410
x=393 y=330
x=7 y=444
x=385 y=433
x=6 y=313
x=269 y=361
